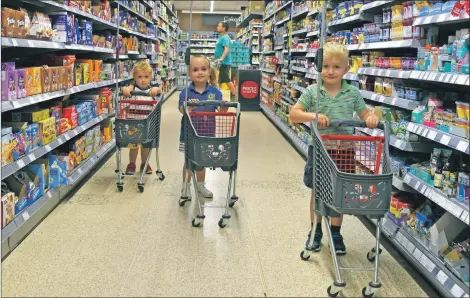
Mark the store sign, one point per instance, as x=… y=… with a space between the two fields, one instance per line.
x=215 y=19
x=248 y=85
x=249 y=89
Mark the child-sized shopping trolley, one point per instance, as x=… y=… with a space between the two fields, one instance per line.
x=211 y=141
x=138 y=124
x=351 y=175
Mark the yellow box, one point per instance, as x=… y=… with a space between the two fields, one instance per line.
x=47 y=128
x=46 y=79
x=86 y=73
x=30 y=81
x=78 y=74
x=37 y=81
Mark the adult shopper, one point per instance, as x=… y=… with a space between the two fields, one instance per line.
x=222 y=56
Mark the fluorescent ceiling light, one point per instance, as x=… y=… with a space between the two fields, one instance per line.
x=213 y=12
x=212 y=6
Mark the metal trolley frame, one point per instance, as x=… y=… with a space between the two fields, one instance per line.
x=211 y=141
x=138 y=122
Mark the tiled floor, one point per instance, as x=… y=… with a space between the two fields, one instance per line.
x=105 y=243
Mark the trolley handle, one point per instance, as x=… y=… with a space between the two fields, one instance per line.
x=212 y=103
x=354 y=123
x=143 y=93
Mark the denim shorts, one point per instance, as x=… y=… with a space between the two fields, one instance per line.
x=342 y=157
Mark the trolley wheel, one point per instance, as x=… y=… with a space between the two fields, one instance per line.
x=231 y=204
x=141 y=188
x=366 y=295
x=330 y=293
x=160 y=175
x=303 y=256
x=222 y=224
x=371 y=255
x=183 y=201
x=120 y=188
x=196 y=225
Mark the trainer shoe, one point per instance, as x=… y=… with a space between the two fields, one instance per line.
x=340 y=248
x=316 y=241
x=130 y=170
x=188 y=190
x=203 y=191
x=148 y=171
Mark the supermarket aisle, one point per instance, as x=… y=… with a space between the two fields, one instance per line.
x=105 y=243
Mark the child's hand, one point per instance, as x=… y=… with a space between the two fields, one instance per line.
x=372 y=121
x=323 y=121
x=154 y=91
x=126 y=91
x=190 y=108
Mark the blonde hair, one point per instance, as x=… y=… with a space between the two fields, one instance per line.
x=337 y=50
x=213 y=71
x=142 y=66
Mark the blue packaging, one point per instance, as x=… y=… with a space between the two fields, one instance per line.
x=57 y=172
x=63 y=23
x=21 y=204
x=36 y=140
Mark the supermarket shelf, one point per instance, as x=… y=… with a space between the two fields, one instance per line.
x=299 y=14
x=75 y=11
x=451 y=205
x=426 y=262
x=313 y=12
x=286 y=130
x=129 y=31
x=267 y=70
x=312 y=76
x=14 y=166
x=202 y=46
x=447 y=139
x=351 y=19
x=442 y=77
x=287 y=4
x=397 y=143
x=268 y=52
x=248 y=18
x=438 y=19
x=277 y=80
x=299 y=88
x=389 y=73
x=125 y=7
x=284 y=70
x=34 y=99
x=299 y=32
x=279 y=48
x=393 y=101
x=394 y=44
x=350 y=76
x=28 y=219
x=298 y=51
x=288 y=99
x=299 y=69
x=399 y=184
x=168 y=8
x=267 y=88
x=279 y=23
x=313 y=33
x=199 y=39
x=8 y=42
x=374 y=5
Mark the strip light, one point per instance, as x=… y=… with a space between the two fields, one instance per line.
x=212 y=6
x=213 y=12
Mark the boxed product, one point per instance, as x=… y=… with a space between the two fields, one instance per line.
x=33 y=137
x=29 y=81
x=70 y=113
x=68 y=77
x=46 y=79
x=57 y=171
x=8 y=208
x=56 y=113
x=47 y=128
x=7 y=148
x=20 y=79
x=78 y=74
x=37 y=80
x=8 y=22
x=55 y=78
x=29 y=115
x=19 y=141
x=8 y=81
x=78 y=148
x=63 y=23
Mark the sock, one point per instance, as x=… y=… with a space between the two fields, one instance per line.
x=335 y=229
x=318 y=228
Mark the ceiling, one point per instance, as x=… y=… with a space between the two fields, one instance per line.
x=205 y=5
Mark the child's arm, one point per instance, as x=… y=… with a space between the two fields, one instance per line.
x=299 y=114
x=372 y=121
x=154 y=91
x=220 y=97
x=126 y=91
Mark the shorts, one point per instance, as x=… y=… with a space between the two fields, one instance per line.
x=345 y=160
x=224 y=74
x=181 y=147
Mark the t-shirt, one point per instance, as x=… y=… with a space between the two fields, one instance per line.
x=204 y=125
x=341 y=106
x=222 y=42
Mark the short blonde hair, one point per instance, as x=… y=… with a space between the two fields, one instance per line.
x=142 y=66
x=337 y=50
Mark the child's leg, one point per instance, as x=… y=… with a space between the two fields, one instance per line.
x=144 y=152
x=133 y=152
x=201 y=177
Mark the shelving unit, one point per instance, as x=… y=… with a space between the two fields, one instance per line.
x=294 y=72
x=150 y=47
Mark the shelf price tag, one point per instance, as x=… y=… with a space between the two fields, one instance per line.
x=25 y=215
x=442 y=277
x=461 y=79
x=457 y=291
x=445 y=139
x=417 y=254
x=432 y=135
x=407 y=179
x=20 y=163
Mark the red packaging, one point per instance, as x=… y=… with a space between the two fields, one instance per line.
x=71 y=115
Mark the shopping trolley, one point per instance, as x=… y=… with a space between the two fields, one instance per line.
x=351 y=175
x=138 y=122
x=211 y=141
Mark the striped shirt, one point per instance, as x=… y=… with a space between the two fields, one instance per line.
x=341 y=106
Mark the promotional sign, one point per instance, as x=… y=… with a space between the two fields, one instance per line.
x=215 y=19
x=248 y=84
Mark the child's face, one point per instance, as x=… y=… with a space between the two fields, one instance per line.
x=334 y=68
x=199 y=70
x=142 y=78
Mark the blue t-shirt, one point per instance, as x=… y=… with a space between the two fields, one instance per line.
x=210 y=93
x=222 y=42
